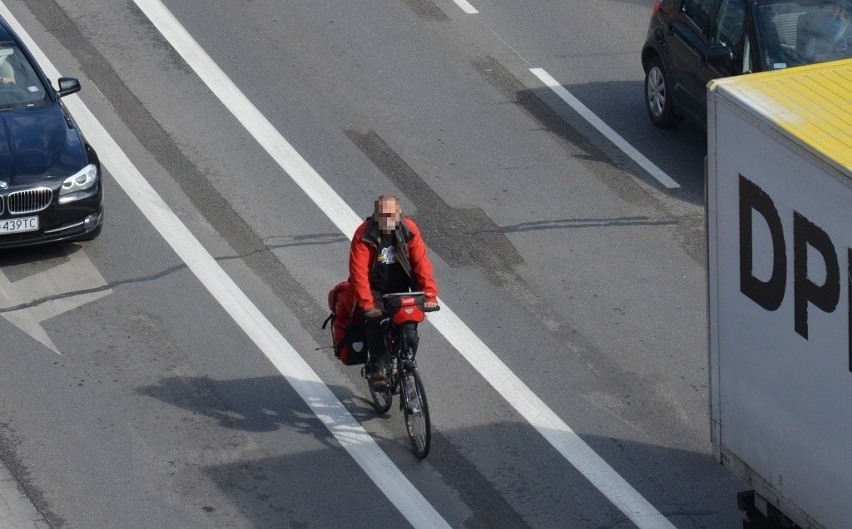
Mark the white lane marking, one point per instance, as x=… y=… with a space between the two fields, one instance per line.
x=466 y=7
x=474 y=350
x=605 y=129
x=349 y=433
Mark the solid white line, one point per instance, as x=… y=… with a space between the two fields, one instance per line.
x=466 y=7
x=605 y=129
x=349 y=433
x=474 y=350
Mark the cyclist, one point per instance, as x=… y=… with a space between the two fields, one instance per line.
x=388 y=255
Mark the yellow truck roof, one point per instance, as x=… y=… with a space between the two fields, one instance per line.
x=812 y=105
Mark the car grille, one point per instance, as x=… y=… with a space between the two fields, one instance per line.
x=28 y=201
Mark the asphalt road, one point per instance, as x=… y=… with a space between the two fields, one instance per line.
x=130 y=397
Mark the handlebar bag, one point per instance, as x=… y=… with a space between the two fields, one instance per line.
x=405 y=308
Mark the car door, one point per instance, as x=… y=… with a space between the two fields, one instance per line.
x=729 y=32
x=688 y=40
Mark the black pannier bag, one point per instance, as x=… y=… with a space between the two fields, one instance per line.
x=353 y=349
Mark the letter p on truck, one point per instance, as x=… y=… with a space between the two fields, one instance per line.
x=779 y=228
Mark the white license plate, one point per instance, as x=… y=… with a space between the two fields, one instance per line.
x=19 y=225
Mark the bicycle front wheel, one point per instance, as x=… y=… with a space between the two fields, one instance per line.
x=416 y=412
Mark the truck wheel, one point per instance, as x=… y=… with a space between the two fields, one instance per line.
x=658 y=96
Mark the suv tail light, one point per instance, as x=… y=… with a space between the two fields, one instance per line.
x=656 y=9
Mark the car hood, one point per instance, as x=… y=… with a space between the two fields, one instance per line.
x=37 y=143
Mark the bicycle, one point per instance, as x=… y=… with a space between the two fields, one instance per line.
x=403 y=379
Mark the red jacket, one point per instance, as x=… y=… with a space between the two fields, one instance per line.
x=411 y=251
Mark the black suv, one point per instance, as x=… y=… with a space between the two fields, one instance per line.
x=691 y=42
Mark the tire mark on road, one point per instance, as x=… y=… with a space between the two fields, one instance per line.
x=577 y=141
x=687 y=229
x=426 y=9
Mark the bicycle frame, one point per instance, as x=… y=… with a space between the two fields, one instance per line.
x=402 y=358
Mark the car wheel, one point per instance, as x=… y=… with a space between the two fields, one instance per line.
x=658 y=96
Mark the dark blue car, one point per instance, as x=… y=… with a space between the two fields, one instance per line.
x=50 y=177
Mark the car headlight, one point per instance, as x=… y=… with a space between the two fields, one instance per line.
x=74 y=185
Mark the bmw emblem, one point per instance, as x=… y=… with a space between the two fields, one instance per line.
x=3 y=185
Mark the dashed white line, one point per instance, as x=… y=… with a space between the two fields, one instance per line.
x=604 y=129
x=474 y=350
x=466 y=7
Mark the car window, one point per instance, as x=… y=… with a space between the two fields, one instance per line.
x=699 y=11
x=823 y=32
x=19 y=84
x=804 y=31
x=730 y=30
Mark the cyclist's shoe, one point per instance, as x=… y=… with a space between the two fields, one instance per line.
x=369 y=368
x=378 y=380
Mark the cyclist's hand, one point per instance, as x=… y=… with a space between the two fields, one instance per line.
x=430 y=305
x=373 y=313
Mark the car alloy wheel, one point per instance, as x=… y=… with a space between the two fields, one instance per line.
x=656 y=89
x=658 y=96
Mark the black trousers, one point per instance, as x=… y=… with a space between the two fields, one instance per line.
x=375 y=335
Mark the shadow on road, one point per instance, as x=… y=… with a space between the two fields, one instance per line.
x=504 y=471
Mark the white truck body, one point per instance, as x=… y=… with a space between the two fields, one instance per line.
x=779 y=228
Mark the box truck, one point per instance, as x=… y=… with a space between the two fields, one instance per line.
x=779 y=231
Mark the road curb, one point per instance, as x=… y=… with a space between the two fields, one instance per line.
x=16 y=509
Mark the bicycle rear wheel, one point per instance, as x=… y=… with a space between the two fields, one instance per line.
x=382 y=397
x=416 y=412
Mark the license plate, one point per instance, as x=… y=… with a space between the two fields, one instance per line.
x=19 y=225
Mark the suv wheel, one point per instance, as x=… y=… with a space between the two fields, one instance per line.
x=658 y=98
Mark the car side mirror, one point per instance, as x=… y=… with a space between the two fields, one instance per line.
x=68 y=86
x=720 y=56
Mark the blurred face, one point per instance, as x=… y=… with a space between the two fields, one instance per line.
x=387 y=214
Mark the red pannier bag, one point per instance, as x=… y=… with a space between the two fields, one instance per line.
x=348 y=331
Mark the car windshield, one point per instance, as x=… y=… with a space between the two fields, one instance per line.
x=804 y=31
x=19 y=84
